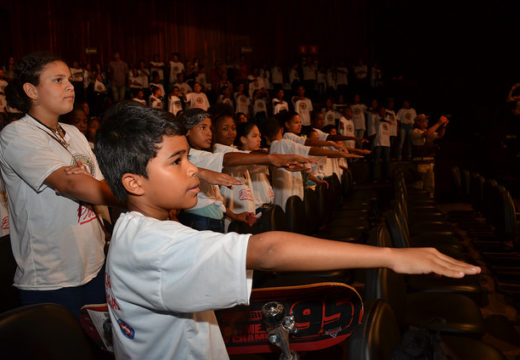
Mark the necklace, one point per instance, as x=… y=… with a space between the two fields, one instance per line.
x=56 y=134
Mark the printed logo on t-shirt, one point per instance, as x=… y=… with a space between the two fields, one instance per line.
x=5 y=223
x=245 y=194
x=357 y=111
x=243 y=99
x=330 y=117
x=408 y=116
x=85 y=214
x=199 y=100
x=302 y=106
x=350 y=129
x=84 y=162
x=126 y=329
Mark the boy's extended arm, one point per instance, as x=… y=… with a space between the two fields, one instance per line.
x=278 y=160
x=318 y=151
x=282 y=251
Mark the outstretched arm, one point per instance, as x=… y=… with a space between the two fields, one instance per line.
x=318 y=151
x=279 y=160
x=218 y=178
x=282 y=251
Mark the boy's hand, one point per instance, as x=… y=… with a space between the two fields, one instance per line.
x=429 y=260
x=289 y=161
x=217 y=178
x=352 y=156
x=246 y=217
x=361 y=151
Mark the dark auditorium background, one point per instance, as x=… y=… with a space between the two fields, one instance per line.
x=455 y=57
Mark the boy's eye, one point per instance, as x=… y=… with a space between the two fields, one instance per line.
x=177 y=161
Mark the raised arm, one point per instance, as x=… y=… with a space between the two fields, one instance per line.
x=218 y=178
x=282 y=251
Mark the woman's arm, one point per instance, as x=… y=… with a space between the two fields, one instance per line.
x=81 y=187
x=290 y=161
x=318 y=151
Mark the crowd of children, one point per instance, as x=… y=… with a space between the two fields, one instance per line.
x=179 y=174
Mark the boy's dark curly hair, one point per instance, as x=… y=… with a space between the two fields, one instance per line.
x=129 y=138
x=27 y=70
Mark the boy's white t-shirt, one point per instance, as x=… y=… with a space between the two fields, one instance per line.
x=163 y=281
x=155 y=102
x=262 y=190
x=304 y=107
x=342 y=76
x=276 y=75
x=56 y=241
x=198 y=100
x=346 y=128
x=209 y=194
x=406 y=116
x=371 y=123
x=358 y=116
x=287 y=183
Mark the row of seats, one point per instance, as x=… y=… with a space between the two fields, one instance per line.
x=395 y=303
x=492 y=224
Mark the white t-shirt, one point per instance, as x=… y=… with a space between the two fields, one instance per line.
x=163 y=281
x=418 y=139
x=287 y=183
x=4 y=215
x=332 y=79
x=262 y=190
x=279 y=105
x=259 y=106
x=155 y=102
x=56 y=241
x=406 y=116
x=99 y=87
x=382 y=132
x=140 y=101
x=293 y=76
x=330 y=117
x=174 y=104
x=240 y=198
x=392 y=118
x=76 y=74
x=209 y=194
x=346 y=128
x=242 y=104
x=293 y=137
x=276 y=75
x=309 y=72
x=304 y=107
x=342 y=76
x=358 y=116
x=175 y=68
x=157 y=66
x=184 y=87
x=371 y=123
x=198 y=100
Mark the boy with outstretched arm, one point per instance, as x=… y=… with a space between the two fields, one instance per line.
x=163 y=279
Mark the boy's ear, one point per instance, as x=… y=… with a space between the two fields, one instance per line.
x=242 y=140
x=132 y=183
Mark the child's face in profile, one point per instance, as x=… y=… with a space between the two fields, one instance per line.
x=252 y=140
x=172 y=181
x=225 y=131
x=200 y=135
x=294 y=125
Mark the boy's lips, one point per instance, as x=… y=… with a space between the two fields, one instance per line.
x=195 y=188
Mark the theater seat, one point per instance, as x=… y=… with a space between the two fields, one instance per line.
x=8 y=293
x=42 y=332
x=379 y=335
x=295 y=211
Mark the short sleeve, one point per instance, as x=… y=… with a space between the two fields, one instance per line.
x=28 y=155
x=206 y=160
x=293 y=137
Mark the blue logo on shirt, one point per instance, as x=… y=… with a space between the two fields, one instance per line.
x=126 y=329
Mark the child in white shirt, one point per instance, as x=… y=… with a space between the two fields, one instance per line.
x=406 y=116
x=197 y=99
x=174 y=292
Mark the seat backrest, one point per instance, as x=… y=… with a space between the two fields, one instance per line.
x=311 y=205
x=506 y=225
x=377 y=335
x=43 y=331
x=398 y=236
x=295 y=212
x=476 y=191
x=382 y=283
x=9 y=294
x=457 y=179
